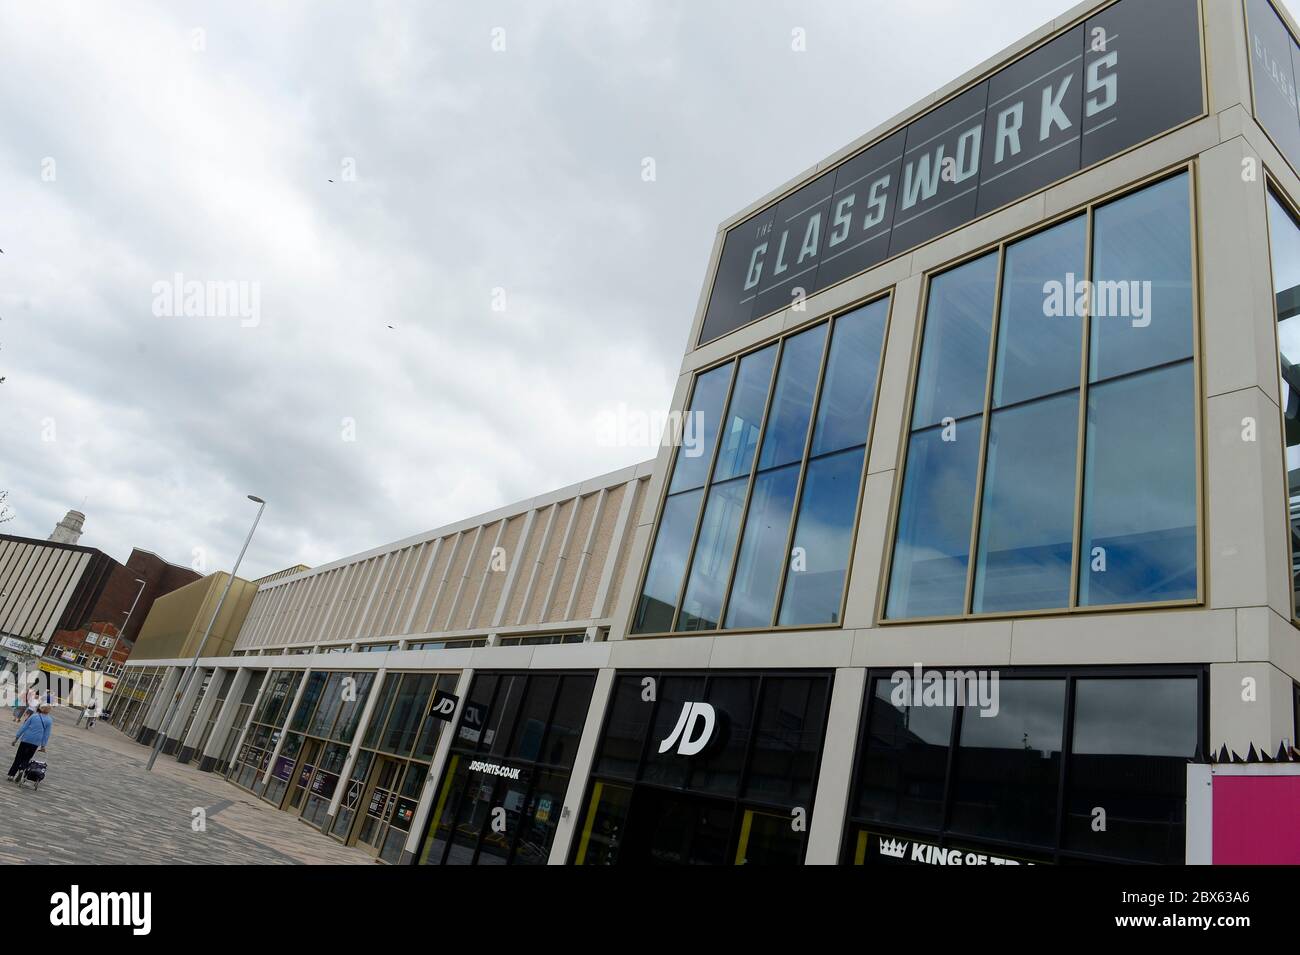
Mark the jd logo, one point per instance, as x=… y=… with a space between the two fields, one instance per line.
x=444 y=705
x=693 y=715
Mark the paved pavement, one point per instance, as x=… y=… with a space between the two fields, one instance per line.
x=98 y=805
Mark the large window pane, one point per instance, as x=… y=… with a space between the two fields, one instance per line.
x=1139 y=499
x=762 y=550
x=1132 y=742
x=745 y=414
x=928 y=577
x=906 y=760
x=787 y=740
x=1008 y=766
x=702 y=604
x=1039 y=333
x=844 y=409
x=954 y=353
x=1027 y=522
x=1142 y=269
x=700 y=430
x=814 y=583
x=1285 y=244
x=663 y=580
x=787 y=422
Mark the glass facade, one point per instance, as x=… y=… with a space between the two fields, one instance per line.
x=1051 y=461
x=757 y=524
x=1048 y=766
x=500 y=796
x=732 y=783
x=1284 y=244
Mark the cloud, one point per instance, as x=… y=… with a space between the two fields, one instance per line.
x=481 y=176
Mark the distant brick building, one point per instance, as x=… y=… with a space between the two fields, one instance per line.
x=87 y=640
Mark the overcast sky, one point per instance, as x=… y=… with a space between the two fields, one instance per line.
x=489 y=204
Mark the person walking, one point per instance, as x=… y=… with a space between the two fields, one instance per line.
x=88 y=714
x=32 y=735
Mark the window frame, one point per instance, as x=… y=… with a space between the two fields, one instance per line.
x=777 y=339
x=1273 y=187
x=1088 y=209
x=1070 y=675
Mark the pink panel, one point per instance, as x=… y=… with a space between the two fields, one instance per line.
x=1256 y=820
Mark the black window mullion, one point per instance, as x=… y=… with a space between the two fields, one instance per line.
x=1067 y=745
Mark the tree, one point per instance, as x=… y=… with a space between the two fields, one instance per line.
x=5 y=513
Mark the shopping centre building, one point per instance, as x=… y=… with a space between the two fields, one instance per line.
x=983 y=535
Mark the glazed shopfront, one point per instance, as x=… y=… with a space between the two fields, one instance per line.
x=378 y=797
x=705 y=769
x=1053 y=765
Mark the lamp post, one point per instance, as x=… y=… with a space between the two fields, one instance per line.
x=109 y=662
x=198 y=652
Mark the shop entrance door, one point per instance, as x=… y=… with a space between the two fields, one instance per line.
x=385 y=783
x=672 y=828
x=303 y=773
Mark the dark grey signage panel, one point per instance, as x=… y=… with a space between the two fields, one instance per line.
x=1122 y=77
x=1272 y=71
x=862 y=211
x=789 y=260
x=734 y=289
x=1148 y=70
x=1031 y=128
x=939 y=185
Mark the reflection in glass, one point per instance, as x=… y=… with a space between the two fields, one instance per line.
x=906 y=760
x=1026 y=529
x=701 y=426
x=702 y=603
x=762 y=549
x=954 y=352
x=1284 y=241
x=1139 y=496
x=1142 y=269
x=745 y=415
x=658 y=602
x=844 y=408
x=1132 y=742
x=1039 y=335
x=819 y=555
x=1008 y=768
x=928 y=577
x=787 y=423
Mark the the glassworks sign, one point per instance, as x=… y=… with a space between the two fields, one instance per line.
x=1124 y=75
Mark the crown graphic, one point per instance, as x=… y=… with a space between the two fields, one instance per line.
x=893 y=847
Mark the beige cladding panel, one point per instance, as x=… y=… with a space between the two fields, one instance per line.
x=453 y=574
x=498 y=570
x=624 y=558
x=387 y=607
x=419 y=573
x=528 y=558
x=549 y=562
x=433 y=578
x=473 y=577
x=600 y=553
x=573 y=558
x=380 y=595
x=362 y=599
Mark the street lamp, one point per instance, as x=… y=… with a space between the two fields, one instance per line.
x=109 y=662
x=189 y=670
